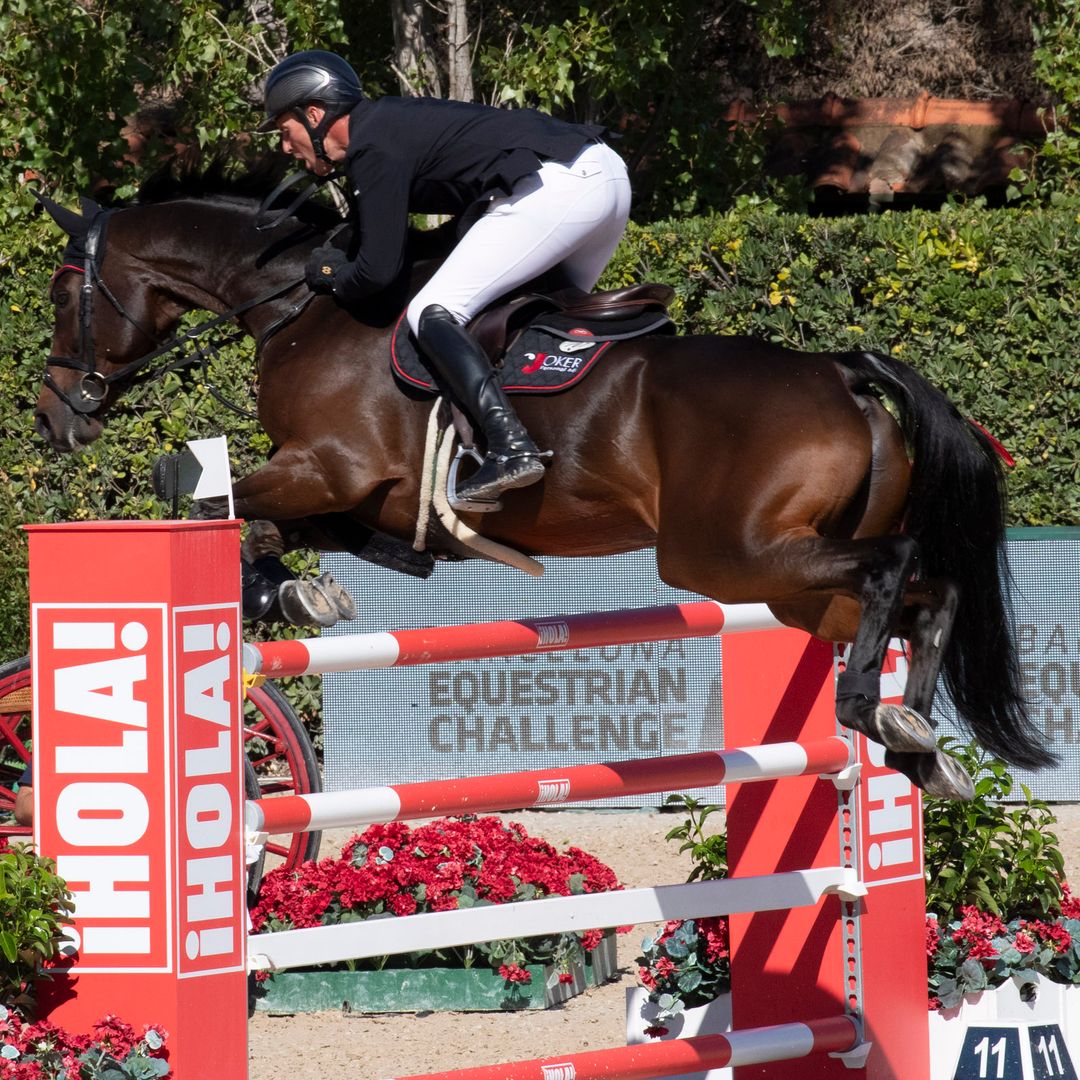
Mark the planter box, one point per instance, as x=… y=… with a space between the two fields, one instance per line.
x=997 y=1033
x=1026 y=1040
x=429 y=989
x=711 y=1019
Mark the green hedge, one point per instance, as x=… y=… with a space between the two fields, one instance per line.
x=981 y=301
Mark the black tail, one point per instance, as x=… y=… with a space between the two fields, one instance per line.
x=956 y=513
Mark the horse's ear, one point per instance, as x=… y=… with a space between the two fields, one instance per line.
x=68 y=220
x=90 y=209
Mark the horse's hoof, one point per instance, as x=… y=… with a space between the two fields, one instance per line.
x=303 y=604
x=337 y=594
x=944 y=777
x=938 y=774
x=903 y=730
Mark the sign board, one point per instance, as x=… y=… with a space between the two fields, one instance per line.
x=471 y=718
x=138 y=787
x=1045 y=566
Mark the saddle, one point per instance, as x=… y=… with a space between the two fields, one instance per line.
x=543 y=341
x=494 y=327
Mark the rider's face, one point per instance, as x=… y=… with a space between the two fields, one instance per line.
x=296 y=142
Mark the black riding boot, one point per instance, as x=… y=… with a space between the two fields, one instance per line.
x=513 y=459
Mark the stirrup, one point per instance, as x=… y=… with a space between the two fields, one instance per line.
x=468 y=506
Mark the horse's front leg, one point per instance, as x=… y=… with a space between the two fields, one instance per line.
x=271 y=592
x=293 y=485
x=898 y=728
x=927 y=623
x=300 y=482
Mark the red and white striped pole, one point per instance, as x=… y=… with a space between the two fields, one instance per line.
x=545 y=787
x=753 y=1046
x=478 y=641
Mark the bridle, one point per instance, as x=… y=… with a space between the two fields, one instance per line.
x=89 y=394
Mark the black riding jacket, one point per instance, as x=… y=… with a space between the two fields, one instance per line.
x=434 y=156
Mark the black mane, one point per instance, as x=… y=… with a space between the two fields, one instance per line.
x=226 y=176
x=229 y=179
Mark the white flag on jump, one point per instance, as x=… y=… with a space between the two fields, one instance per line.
x=216 y=476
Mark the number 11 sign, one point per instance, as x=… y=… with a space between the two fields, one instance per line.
x=1020 y=1052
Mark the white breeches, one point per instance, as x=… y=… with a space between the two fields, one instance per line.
x=571 y=215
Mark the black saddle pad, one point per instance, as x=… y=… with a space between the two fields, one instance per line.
x=552 y=354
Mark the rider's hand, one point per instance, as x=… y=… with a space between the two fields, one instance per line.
x=323 y=268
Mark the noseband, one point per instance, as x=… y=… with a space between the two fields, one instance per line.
x=93 y=386
x=90 y=392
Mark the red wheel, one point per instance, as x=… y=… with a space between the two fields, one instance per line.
x=15 y=706
x=278 y=749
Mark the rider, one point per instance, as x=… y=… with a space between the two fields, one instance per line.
x=543 y=193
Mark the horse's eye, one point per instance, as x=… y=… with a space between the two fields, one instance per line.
x=61 y=299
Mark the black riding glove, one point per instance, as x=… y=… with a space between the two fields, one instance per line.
x=323 y=267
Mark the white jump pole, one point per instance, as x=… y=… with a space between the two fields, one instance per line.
x=552 y=915
x=751 y=1046
x=545 y=787
x=478 y=641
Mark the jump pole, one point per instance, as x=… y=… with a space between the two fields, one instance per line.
x=545 y=787
x=779 y=1042
x=481 y=641
x=138 y=785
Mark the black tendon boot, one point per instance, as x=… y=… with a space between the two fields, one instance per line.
x=513 y=459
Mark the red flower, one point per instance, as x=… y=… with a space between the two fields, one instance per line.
x=403 y=904
x=1051 y=934
x=566 y=977
x=1070 y=905
x=590 y=939
x=514 y=973
x=655 y=1031
x=982 y=950
x=978 y=927
x=933 y=935
x=1024 y=943
x=117 y=1035
x=715 y=931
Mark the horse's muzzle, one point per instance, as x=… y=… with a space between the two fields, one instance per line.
x=64 y=430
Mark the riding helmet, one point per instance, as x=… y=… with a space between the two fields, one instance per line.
x=310 y=77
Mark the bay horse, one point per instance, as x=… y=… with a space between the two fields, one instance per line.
x=758 y=474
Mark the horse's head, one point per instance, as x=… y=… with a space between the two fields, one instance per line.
x=100 y=327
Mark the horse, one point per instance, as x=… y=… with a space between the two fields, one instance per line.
x=757 y=473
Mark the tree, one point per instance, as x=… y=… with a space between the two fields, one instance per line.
x=87 y=87
x=414 y=49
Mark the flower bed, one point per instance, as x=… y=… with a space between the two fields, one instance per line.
x=42 y=1051
x=979 y=951
x=448 y=864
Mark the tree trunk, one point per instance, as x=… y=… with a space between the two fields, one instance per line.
x=414 y=58
x=459 y=51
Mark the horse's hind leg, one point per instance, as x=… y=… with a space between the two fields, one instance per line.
x=927 y=625
x=836 y=589
x=899 y=728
